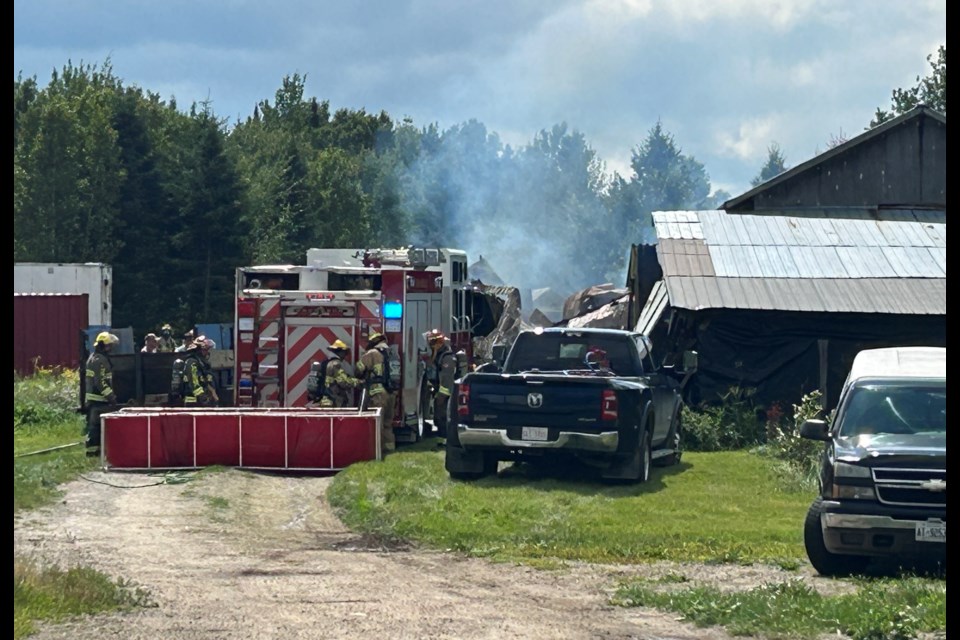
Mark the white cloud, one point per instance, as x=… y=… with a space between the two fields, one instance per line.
x=752 y=138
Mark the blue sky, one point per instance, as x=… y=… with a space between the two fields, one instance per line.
x=726 y=78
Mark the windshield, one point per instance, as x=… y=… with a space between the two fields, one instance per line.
x=579 y=353
x=895 y=409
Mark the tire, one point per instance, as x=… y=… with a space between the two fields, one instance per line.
x=635 y=468
x=825 y=562
x=645 y=453
x=463 y=465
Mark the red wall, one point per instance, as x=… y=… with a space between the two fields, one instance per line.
x=46 y=330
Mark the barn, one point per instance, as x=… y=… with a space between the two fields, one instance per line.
x=779 y=288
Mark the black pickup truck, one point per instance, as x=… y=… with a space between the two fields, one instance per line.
x=594 y=394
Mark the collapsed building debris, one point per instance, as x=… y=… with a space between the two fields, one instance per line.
x=506 y=300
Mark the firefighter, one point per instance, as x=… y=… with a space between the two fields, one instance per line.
x=336 y=387
x=199 y=388
x=99 y=396
x=443 y=373
x=370 y=369
x=166 y=342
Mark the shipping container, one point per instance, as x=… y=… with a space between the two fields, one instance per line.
x=47 y=330
x=92 y=278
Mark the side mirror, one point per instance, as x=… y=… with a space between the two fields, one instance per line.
x=690 y=361
x=499 y=352
x=815 y=429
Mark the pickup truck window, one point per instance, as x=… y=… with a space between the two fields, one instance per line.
x=566 y=352
x=895 y=409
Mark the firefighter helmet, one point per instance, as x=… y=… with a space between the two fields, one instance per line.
x=204 y=343
x=435 y=337
x=375 y=338
x=106 y=338
x=339 y=345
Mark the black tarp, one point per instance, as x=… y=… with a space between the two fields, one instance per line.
x=778 y=354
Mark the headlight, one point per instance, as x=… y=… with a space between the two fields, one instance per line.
x=852 y=492
x=844 y=470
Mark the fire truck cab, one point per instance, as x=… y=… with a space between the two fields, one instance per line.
x=288 y=315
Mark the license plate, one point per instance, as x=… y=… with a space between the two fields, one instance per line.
x=534 y=433
x=932 y=531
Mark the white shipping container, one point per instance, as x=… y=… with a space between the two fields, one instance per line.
x=93 y=278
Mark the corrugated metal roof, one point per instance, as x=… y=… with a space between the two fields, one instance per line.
x=869 y=261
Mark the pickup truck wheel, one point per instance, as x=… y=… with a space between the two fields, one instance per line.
x=467 y=465
x=645 y=454
x=825 y=562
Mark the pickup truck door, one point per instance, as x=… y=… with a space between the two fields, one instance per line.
x=665 y=390
x=666 y=397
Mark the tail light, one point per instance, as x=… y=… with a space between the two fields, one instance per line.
x=463 y=400
x=608 y=405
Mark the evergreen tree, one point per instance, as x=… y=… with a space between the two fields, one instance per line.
x=776 y=164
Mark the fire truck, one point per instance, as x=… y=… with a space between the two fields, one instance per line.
x=288 y=315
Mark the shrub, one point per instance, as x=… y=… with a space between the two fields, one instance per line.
x=731 y=425
x=801 y=457
x=50 y=395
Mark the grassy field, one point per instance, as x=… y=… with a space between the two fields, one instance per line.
x=713 y=507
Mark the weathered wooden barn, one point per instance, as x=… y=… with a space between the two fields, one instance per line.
x=779 y=288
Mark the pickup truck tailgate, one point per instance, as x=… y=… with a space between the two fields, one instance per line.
x=548 y=401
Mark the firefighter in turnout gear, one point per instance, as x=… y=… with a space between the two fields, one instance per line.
x=335 y=389
x=443 y=373
x=370 y=369
x=99 y=396
x=199 y=389
x=166 y=343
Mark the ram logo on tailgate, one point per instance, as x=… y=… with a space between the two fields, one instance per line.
x=535 y=400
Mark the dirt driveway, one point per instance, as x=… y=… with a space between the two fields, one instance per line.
x=237 y=555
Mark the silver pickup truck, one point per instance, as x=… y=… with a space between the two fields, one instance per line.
x=593 y=394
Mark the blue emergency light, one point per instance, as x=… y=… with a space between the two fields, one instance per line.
x=392 y=310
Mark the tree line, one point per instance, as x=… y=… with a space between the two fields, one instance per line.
x=175 y=200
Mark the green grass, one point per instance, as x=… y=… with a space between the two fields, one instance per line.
x=36 y=477
x=53 y=594
x=713 y=507
x=880 y=610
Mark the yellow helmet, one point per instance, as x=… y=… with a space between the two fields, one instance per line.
x=106 y=338
x=339 y=345
x=375 y=337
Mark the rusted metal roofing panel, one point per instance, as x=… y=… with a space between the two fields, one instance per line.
x=758 y=259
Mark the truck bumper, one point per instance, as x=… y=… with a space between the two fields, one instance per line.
x=875 y=535
x=603 y=442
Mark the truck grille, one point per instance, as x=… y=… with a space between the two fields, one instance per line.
x=911 y=487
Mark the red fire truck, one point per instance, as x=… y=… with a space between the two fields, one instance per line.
x=287 y=316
